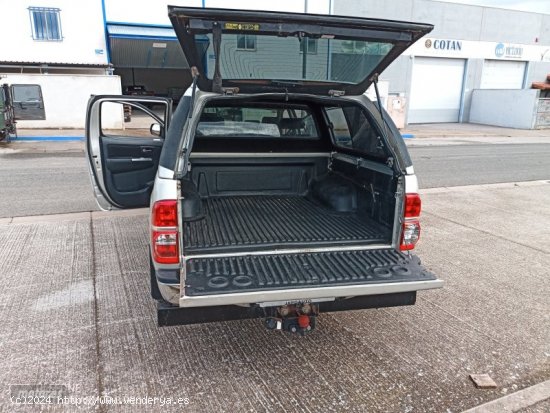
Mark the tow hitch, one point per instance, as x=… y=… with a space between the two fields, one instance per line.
x=293 y=318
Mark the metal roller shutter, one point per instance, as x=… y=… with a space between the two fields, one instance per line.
x=436 y=90
x=502 y=74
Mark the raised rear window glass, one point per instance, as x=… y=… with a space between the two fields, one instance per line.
x=253 y=121
x=282 y=58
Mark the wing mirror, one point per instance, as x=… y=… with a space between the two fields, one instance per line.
x=155 y=129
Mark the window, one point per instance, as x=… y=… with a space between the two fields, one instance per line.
x=309 y=44
x=352 y=129
x=45 y=24
x=123 y=120
x=246 y=42
x=253 y=121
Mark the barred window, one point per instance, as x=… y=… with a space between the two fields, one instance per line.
x=45 y=24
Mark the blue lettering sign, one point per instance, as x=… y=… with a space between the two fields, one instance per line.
x=455 y=45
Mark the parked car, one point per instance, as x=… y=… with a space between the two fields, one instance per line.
x=19 y=102
x=137 y=90
x=280 y=190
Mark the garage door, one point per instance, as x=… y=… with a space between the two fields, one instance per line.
x=436 y=90
x=502 y=74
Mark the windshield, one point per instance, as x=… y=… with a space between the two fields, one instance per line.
x=256 y=56
x=253 y=121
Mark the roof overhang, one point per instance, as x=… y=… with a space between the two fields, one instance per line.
x=142 y=46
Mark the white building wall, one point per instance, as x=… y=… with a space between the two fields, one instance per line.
x=506 y=108
x=147 y=12
x=82 y=28
x=66 y=98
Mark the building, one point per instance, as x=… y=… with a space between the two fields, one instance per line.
x=74 y=49
x=59 y=45
x=470 y=48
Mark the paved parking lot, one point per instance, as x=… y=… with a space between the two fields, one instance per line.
x=75 y=311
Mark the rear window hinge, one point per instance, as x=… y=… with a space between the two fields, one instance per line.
x=336 y=93
x=389 y=162
x=230 y=91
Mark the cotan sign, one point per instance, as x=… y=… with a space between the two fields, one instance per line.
x=446 y=45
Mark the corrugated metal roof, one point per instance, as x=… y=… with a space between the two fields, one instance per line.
x=120 y=30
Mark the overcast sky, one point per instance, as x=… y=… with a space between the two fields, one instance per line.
x=537 y=6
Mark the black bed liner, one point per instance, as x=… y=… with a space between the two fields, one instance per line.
x=206 y=276
x=237 y=223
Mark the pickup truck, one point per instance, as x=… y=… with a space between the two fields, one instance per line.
x=277 y=189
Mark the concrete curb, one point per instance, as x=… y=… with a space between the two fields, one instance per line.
x=515 y=401
x=31 y=219
x=465 y=188
x=48 y=138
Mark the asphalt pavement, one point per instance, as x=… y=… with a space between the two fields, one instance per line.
x=52 y=177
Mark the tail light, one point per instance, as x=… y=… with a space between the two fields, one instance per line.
x=410 y=233
x=164 y=236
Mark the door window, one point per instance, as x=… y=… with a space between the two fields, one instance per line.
x=136 y=121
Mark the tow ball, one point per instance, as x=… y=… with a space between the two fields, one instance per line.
x=293 y=318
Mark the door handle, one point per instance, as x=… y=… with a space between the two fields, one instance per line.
x=146 y=149
x=142 y=159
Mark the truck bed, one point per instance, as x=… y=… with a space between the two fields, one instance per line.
x=263 y=222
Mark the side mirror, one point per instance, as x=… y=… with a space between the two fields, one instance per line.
x=155 y=129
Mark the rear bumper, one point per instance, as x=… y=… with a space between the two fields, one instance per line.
x=171 y=316
x=301 y=294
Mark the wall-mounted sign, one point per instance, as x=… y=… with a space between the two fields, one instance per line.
x=447 y=45
x=159 y=45
x=444 y=44
x=472 y=49
x=508 y=51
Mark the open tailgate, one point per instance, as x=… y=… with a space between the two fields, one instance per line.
x=301 y=276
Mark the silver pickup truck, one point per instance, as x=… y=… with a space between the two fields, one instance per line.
x=277 y=189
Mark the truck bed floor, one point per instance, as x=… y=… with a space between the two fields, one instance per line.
x=240 y=223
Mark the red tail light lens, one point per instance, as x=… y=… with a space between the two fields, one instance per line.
x=410 y=233
x=413 y=205
x=165 y=214
x=164 y=235
x=165 y=247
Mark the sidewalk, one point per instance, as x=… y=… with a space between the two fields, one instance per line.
x=440 y=130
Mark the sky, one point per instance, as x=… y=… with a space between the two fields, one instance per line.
x=536 y=6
